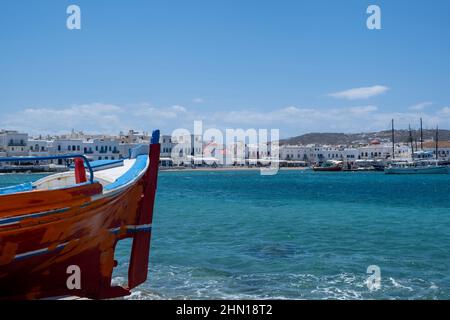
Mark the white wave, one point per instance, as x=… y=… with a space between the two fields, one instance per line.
x=396 y=284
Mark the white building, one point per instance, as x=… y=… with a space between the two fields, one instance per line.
x=185 y=147
x=14 y=143
x=166 y=146
x=39 y=148
x=317 y=154
x=134 y=137
x=375 y=152
x=102 y=149
x=443 y=150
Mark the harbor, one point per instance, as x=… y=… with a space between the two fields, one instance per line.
x=339 y=195
x=233 y=157
x=297 y=235
x=195 y=152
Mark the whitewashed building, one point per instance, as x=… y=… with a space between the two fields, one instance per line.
x=102 y=149
x=39 y=148
x=14 y=143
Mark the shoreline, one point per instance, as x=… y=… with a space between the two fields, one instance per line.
x=229 y=169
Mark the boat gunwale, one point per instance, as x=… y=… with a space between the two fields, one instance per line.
x=62 y=206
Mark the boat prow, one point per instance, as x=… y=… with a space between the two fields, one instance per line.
x=60 y=228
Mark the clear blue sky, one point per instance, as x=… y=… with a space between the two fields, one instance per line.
x=233 y=63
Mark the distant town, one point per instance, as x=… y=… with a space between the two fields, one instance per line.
x=189 y=151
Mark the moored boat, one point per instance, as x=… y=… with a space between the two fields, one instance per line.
x=329 y=166
x=380 y=165
x=416 y=167
x=58 y=235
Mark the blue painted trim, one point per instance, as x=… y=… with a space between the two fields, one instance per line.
x=34 y=215
x=115 y=231
x=100 y=163
x=64 y=156
x=138 y=166
x=155 y=136
x=147 y=229
x=131 y=230
x=15 y=189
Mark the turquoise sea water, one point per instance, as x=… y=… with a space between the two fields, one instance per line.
x=296 y=235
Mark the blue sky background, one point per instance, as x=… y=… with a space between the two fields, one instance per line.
x=234 y=64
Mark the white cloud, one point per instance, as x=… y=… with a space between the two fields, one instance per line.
x=291 y=120
x=421 y=106
x=360 y=93
x=363 y=110
x=179 y=108
x=98 y=116
x=92 y=118
x=198 y=100
x=445 y=111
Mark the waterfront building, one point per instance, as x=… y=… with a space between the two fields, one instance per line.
x=296 y=153
x=134 y=137
x=185 y=147
x=14 y=143
x=316 y=154
x=443 y=149
x=166 y=146
x=375 y=152
x=39 y=148
x=65 y=146
x=191 y=150
x=102 y=149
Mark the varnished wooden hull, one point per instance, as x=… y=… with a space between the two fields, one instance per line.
x=78 y=227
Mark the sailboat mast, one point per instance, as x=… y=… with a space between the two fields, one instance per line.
x=393 y=140
x=411 y=140
x=421 y=135
x=437 y=143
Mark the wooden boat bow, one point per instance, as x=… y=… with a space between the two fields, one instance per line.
x=55 y=226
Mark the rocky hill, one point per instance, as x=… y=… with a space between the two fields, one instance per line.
x=357 y=138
